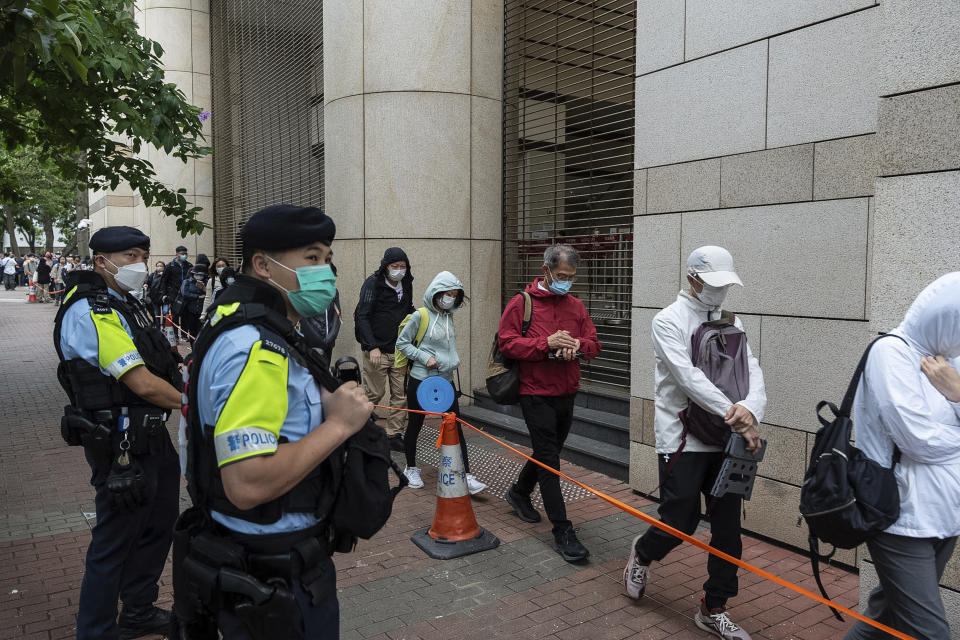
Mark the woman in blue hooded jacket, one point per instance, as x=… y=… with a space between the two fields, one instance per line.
x=436 y=355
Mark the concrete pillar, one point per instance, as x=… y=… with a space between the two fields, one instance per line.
x=182 y=27
x=412 y=131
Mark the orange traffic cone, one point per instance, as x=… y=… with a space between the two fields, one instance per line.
x=33 y=293
x=454 y=531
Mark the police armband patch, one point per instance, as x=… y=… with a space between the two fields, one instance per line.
x=124 y=363
x=244 y=442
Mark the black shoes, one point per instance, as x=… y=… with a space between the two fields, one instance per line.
x=569 y=548
x=134 y=624
x=396 y=443
x=522 y=505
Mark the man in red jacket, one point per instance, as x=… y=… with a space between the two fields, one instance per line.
x=560 y=334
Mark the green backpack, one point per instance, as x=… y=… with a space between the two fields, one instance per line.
x=400 y=360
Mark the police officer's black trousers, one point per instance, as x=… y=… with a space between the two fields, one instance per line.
x=321 y=621
x=693 y=475
x=129 y=548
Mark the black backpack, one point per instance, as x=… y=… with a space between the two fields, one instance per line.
x=503 y=374
x=846 y=498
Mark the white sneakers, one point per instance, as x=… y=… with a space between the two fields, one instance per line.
x=635 y=574
x=474 y=486
x=719 y=624
x=413 y=477
x=414 y=480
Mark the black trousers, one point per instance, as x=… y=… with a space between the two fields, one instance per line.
x=190 y=322
x=693 y=475
x=415 y=423
x=548 y=421
x=129 y=548
x=321 y=621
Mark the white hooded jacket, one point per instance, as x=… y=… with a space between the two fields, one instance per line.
x=677 y=381
x=896 y=404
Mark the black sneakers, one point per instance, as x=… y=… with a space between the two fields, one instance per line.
x=569 y=548
x=522 y=505
x=143 y=622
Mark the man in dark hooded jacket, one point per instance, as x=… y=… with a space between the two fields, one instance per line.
x=385 y=299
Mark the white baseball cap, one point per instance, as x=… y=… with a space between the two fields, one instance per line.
x=713 y=265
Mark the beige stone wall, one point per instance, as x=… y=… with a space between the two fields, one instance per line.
x=412 y=130
x=802 y=137
x=182 y=27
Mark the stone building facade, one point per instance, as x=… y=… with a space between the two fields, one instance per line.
x=818 y=141
x=182 y=27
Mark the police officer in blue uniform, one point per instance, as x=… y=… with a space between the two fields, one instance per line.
x=121 y=378
x=264 y=445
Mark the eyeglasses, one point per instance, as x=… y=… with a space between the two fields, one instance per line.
x=562 y=277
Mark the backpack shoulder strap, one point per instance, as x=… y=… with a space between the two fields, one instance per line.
x=527 y=313
x=422 y=328
x=847 y=405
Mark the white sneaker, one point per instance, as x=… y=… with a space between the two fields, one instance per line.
x=413 y=477
x=635 y=575
x=474 y=486
x=719 y=624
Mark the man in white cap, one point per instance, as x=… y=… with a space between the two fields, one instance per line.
x=678 y=383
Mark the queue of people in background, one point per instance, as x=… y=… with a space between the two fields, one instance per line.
x=434 y=354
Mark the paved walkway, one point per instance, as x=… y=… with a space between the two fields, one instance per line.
x=388 y=588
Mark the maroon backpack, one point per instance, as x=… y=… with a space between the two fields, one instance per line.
x=719 y=349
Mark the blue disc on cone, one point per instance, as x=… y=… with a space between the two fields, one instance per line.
x=435 y=394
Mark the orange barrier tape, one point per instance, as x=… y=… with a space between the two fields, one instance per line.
x=680 y=534
x=169 y=317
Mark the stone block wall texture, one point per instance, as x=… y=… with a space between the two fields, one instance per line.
x=412 y=108
x=182 y=27
x=818 y=141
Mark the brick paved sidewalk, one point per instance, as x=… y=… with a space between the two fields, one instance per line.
x=388 y=588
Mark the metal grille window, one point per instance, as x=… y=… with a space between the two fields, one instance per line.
x=568 y=106
x=267 y=115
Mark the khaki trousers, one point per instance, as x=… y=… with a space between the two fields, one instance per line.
x=385 y=379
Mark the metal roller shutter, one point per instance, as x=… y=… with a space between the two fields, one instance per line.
x=568 y=123
x=267 y=115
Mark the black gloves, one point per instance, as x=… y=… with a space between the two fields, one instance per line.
x=127 y=486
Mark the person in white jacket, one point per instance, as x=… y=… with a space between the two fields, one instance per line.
x=678 y=383
x=909 y=398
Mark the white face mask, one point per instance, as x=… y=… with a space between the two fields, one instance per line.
x=130 y=276
x=446 y=302
x=397 y=274
x=713 y=296
x=220 y=270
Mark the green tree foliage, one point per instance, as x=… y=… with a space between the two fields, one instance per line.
x=80 y=83
x=46 y=197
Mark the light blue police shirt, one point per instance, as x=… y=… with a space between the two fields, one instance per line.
x=221 y=370
x=79 y=337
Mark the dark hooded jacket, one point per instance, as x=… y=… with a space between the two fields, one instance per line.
x=379 y=311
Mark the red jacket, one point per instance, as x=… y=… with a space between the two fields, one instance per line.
x=551 y=313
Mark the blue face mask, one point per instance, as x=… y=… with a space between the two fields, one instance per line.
x=559 y=287
x=318 y=286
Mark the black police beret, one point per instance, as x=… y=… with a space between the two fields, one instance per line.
x=285 y=226
x=113 y=239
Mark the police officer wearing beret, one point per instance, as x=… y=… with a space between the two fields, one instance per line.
x=254 y=553
x=121 y=377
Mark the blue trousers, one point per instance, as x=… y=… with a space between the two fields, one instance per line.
x=129 y=548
